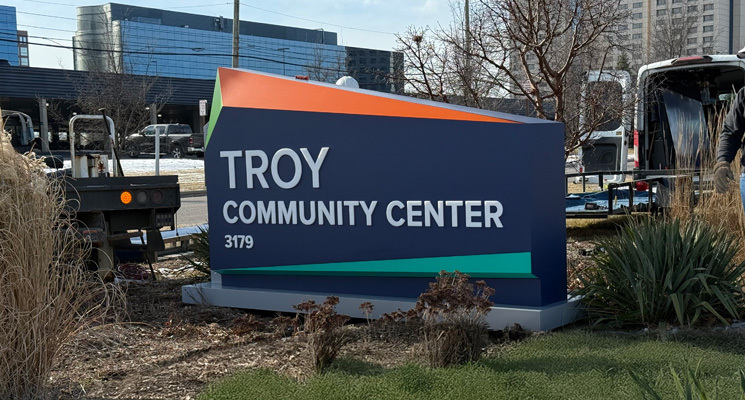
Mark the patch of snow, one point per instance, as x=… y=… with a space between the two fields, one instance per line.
x=147 y=165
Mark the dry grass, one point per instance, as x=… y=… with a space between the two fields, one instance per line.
x=721 y=211
x=46 y=295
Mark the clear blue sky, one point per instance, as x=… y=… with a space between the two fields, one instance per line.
x=374 y=21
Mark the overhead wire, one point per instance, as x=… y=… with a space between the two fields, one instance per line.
x=176 y=54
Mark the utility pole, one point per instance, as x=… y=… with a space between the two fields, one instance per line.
x=467 y=61
x=236 y=30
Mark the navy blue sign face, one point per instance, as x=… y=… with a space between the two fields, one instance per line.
x=378 y=205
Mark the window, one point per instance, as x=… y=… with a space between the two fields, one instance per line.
x=623 y=6
x=636 y=36
x=708 y=18
x=24 y=62
x=23 y=51
x=708 y=39
x=708 y=7
x=622 y=27
x=691 y=52
x=709 y=28
x=708 y=50
x=677 y=1
x=636 y=16
x=693 y=30
x=636 y=25
x=661 y=2
x=692 y=40
x=661 y=12
x=692 y=8
x=677 y=10
x=637 y=4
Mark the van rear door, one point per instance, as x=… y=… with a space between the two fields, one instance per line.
x=680 y=104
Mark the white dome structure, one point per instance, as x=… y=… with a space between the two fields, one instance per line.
x=348 y=81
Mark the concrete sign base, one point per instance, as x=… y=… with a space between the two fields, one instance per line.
x=213 y=293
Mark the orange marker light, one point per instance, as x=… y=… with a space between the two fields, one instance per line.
x=126 y=197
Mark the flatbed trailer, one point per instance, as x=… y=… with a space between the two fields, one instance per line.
x=650 y=192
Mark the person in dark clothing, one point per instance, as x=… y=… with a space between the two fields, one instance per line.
x=730 y=140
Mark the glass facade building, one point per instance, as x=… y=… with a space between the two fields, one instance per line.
x=156 y=42
x=8 y=35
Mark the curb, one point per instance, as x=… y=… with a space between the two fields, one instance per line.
x=193 y=193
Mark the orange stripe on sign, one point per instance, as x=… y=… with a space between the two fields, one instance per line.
x=245 y=89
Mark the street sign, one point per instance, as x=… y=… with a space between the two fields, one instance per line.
x=202 y=108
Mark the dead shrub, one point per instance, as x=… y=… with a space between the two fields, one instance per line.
x=46 y=294
x=246 y=324
x=451 y=316
x=321 y=328
x=454 y=313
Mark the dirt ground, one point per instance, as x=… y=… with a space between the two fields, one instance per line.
x=161 y=348
x=164 y=349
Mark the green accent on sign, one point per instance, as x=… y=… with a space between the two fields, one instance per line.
x=215 y=110
x=509 y=265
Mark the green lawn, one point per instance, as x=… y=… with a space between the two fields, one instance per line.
x=566 y=365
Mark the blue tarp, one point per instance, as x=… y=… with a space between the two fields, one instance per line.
x=576 y=202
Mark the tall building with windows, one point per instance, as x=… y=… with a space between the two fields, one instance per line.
x=663 y=29
x=23 y=49
x=147 y=41
x=8 y=35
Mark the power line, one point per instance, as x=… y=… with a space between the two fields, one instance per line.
x=317 y=67
x=218 y=4
x=78 y=5
x=43 y=27
x=316 y=21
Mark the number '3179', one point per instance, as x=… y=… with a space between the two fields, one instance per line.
x=239 y=241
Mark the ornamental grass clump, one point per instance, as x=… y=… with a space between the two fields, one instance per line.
x=453 y=311
x=199 y=260
x=665 y=271
x=46 y=294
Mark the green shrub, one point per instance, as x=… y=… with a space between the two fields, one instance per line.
x=661 y=271
x=688 y=385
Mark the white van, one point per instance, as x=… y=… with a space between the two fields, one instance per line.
x=677 y=101
x=607 y=94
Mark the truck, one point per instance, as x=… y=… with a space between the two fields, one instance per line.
x=174 y=140
x=24 y=139
x=680 y=104
x=196 y=145
x=109 y=208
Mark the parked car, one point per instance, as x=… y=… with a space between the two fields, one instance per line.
x=174 y=140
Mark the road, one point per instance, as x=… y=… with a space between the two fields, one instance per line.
x=193 y=211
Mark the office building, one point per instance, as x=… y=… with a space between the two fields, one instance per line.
x=8 y=35
x=147 y=41
x=663 y=29
x=23 y=49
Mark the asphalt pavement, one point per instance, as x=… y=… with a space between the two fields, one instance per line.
x=193 y=209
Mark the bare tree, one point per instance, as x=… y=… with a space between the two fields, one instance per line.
x=326 y=65
x=537 y=50
x=674 y=33
x=111 y=84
